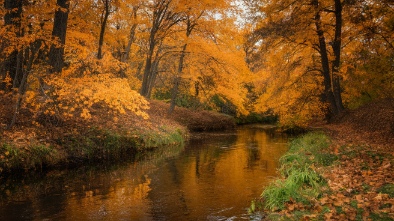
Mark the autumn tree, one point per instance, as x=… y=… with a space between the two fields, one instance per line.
x=108 y=7
x=295 y=27
x=192 y=48
x=28 y=36
x=132 y=32
x=214 y=73
x=323 y=41
x=190 y=24
x=368 y=70
x=164 y=17
x=332 y=89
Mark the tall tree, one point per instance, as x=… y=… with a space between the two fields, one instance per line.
x=191 y=22
x=56 y=52
x=164 y=17
x=328 y=95
x=132 y=32
x=315 y=24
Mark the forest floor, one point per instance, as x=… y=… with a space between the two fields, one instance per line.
x=361 y=182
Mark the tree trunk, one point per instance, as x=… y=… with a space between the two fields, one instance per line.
x=147 y=75
x=177 y=79
x=328 y=95
x=29 y=54
x=154 y=73
x=12 y=20
x=126 y=54
x=336 y=46
x=56 y=52
x=102 y=29
x=189 y=28
x=162 y=20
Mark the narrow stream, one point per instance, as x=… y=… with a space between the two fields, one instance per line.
x=214 y=177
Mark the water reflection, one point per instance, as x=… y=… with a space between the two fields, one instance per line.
x=213 y=178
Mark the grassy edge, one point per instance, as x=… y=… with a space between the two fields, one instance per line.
x=302 y=193
x=92 y=145
x=299 y=183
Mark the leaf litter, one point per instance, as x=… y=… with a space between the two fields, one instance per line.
x=361 y=183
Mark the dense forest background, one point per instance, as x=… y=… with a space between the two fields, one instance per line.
x=300 y=60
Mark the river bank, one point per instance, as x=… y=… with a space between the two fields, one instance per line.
x=212 y=177
x=343 y=172
x=40 y=142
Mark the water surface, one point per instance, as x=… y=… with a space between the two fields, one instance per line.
x=213 y=177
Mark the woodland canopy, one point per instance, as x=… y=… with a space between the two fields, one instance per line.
x=300 y=60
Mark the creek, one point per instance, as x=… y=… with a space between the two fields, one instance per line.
x=214 y=176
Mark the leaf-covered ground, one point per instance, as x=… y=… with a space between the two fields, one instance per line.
x=361 y=183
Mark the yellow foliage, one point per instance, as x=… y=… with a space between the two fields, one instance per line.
x=72 y=96
x=287 y=88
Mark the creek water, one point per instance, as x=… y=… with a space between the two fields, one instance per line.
x=215 y=176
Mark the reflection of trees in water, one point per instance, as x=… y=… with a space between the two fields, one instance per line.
x=261 y=144
x=213 y=173
x=52 y=190
x=253 y=151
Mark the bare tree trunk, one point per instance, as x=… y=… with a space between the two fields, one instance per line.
x=328 y=95
x=30 y=53
x=163 y=19
x=177 y=79
x=147 y=75
x=336 y=46
x=155 y=72
x=126 y=54
x=102 y=29
x=56 y=52
x=190 y=24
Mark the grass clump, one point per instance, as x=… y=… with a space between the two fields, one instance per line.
x=387 y=189
x=106 y=144
x=300 y=183
x=25 y=158
x=163 y=136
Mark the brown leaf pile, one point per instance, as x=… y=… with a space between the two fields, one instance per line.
x=364 y=139
x=370 y=124
x=355 y=184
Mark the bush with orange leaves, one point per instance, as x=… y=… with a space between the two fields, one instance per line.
x=75 y=96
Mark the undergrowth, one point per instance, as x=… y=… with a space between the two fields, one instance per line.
x=91 y=145
x=300 y=183
x=34 y=156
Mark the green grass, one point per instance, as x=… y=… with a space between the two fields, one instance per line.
x=25 y=158
x=92 y=145
x=380 y=217
x=299 y=182
x=106 y=144
x=164 y=136
x=387 y=189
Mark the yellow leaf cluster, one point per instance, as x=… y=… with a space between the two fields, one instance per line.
x=77 y=96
